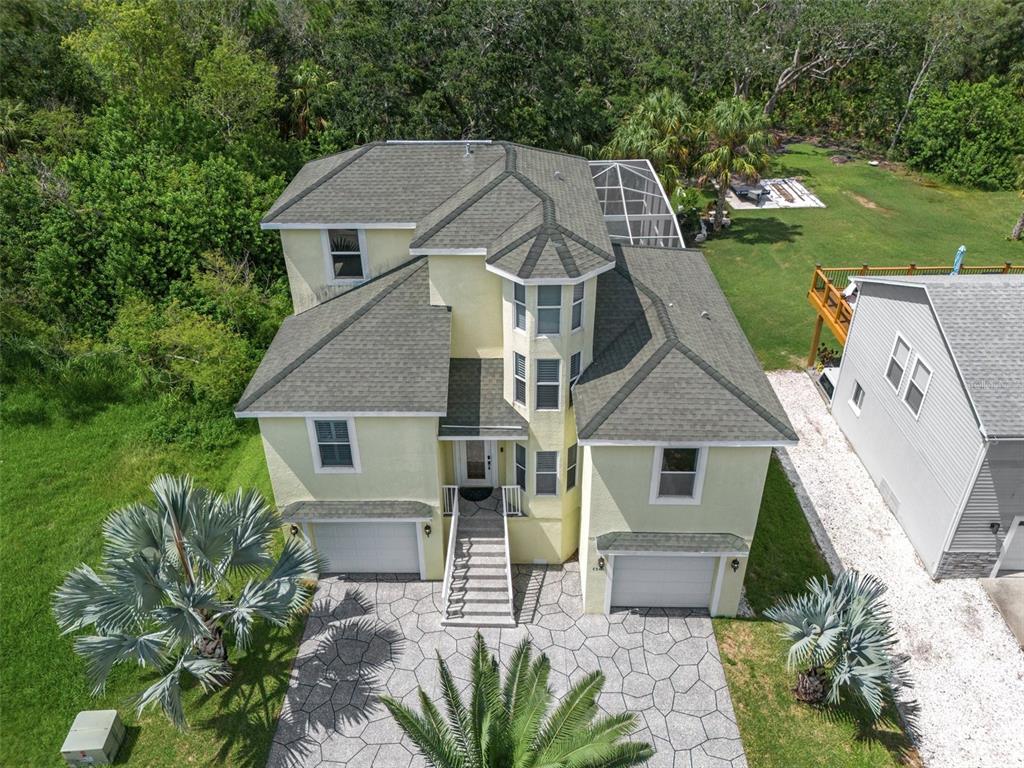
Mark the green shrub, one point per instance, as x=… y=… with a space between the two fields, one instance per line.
x=969 y=133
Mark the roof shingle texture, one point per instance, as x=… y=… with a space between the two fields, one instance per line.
x=671 y=362
x=380 y=347
x=982 y=318
x=669 y=542
x=304 y=511
x=476 y=401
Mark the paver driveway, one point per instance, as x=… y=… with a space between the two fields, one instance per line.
x=379 y=634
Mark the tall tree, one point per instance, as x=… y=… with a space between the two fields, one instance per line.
x=738 y=143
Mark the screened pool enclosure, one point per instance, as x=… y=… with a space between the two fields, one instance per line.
x=636 y=208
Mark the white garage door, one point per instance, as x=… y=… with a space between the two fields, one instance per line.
x=368 y=547
x=662 y=581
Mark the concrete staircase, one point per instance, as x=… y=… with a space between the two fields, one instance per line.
x=478 y=593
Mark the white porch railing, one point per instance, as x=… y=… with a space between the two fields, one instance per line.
x=508 y=565
x=511 y=500
x=450 y=501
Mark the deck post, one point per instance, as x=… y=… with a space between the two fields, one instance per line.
x=1006 y=267
x=814 y=341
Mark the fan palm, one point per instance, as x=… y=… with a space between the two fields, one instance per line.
x=507 y=726
x=660 y=129
x=738 y=142
x=160 y=598
x=842 y=632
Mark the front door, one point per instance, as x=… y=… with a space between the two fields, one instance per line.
x=476 y=462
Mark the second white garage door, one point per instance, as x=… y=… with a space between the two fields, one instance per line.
x=368 y=547
x=662 y=581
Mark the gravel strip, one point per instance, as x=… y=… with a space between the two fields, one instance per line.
x=967 y=669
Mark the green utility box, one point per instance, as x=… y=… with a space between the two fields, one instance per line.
x=94 y=738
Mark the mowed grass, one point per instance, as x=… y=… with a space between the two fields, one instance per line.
x=777 y=730
x=58 y=482
x=877 y=216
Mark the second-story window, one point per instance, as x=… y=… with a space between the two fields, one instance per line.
x=574 y=372
x=577 y=306
x=521 y=465
x=519 y=378
x=897 y=363
x=345 y=254
x=519 y=305
x=549 y=309
x=548 y=384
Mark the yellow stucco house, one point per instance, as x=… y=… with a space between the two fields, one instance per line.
x=500 y=355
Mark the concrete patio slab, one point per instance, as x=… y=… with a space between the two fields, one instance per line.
x=1007 y=594
x=380 y=634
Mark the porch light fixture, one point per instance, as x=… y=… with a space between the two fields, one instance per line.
x=600 y=563
x=294 y=530
x=427 y=529
x=735 y=564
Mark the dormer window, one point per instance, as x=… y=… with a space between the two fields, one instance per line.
x=346 y=255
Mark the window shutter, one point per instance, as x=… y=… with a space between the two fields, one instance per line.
x=330 y=431
x=574 y=366
x=547 y=371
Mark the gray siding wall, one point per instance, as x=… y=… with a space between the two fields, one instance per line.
x=997 y=497
x=923 y=465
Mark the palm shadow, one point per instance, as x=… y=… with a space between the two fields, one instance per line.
x=762 y=231
x=335 y=679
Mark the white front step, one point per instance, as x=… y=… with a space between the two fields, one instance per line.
x=478 y=587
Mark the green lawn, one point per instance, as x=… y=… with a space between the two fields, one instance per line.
x=874 y=215
x=777 y=730
x=58 y=482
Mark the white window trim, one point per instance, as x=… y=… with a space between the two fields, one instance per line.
x=557 y=473
x=698 y=480
x=538 y=309
x=325 y=241
x=314 y=447
x=526 y=311
x=537 y=383
x=892 y=355
x=583 y=308
x=852 y=401
x=924 y=393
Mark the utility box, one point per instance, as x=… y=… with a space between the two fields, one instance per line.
x=94 y=738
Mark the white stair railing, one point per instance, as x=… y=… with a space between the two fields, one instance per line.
x=450 y=496
x=511 y=500
x=508 y=565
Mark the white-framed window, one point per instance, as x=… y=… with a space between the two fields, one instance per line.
x=577 y=306
x=546 y=474
x=574 y=371
x=897 y=362
x=857 y=398
x=549 y=310
x=519 y=306
x=345 y=250
x=548 y=385
x=678 y=475
x=519 y=378
x=521 y=465
x=570 y=470
x=917 y=386
x=333 y=443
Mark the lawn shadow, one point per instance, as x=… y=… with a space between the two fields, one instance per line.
x=762 y=231
x=893 y=732
x=131 y=738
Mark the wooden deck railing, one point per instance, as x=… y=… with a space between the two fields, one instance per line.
x=833 y=309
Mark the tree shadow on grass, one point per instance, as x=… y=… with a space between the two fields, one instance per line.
x=893 y=732
x=335 y=680
x=762 y=231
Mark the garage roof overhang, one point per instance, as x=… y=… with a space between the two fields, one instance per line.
x=379 y=511
x=657 y=543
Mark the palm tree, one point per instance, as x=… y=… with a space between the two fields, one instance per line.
x=504 y=726
x=161 y=597
x=842 y=639
x=660 y=129
x=738 y=142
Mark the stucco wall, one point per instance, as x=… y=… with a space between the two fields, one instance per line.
x=616 y=497
x=474 y=294
x=306 y=261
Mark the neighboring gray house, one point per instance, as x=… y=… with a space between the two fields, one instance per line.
x=930 y=394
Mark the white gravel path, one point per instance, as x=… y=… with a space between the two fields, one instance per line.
x=967 y=669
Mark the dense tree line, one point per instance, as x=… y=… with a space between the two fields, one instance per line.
x=141 y=140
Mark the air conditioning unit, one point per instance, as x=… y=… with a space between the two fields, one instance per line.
x=94 y=738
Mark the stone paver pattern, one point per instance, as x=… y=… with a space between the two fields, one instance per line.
x=967 y=669
x=380 y=634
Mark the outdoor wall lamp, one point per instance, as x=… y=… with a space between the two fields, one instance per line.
x=735 y=564
x=427 y=529
x=600 y=563
x=994 y=527
x=294 y=530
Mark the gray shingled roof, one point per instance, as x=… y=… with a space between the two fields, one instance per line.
x=476 y=402
x=982 y=319
x=320 y=359
x=306 y=511
x=671 y=362
x=534 y=212
x=670 y=542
